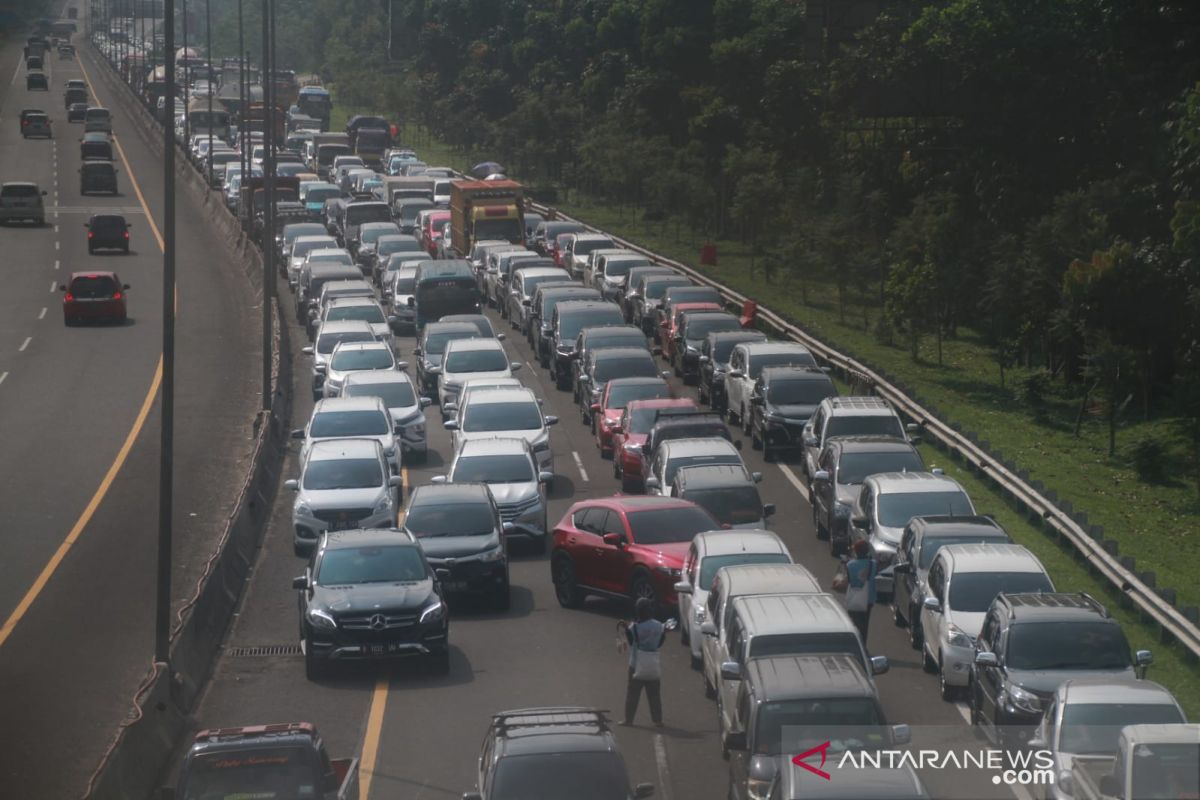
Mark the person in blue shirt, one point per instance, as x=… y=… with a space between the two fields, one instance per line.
x=861 y=571
x=645 y=637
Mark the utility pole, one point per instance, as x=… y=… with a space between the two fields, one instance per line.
x=208 y=58
x=268 y=229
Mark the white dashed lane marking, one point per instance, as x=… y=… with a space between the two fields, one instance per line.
x=24 y=344
x=579 y=465
x=3 y=375
x=43 y=314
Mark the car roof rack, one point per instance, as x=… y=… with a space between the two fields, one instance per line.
x=546 y=717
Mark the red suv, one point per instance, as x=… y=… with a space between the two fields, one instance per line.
x=624 y=547
x=674 y=325
x=630 y=434
x=93 y=296
x=618 y=393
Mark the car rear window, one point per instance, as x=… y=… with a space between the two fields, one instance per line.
x=93 y=288
x=108 y=223
x=19 y=191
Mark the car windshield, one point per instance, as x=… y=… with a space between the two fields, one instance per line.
x=1094 y=728
x=975 y=591
x=570 y=325
x=617 y=267
x=567 y=775
x=331 y=258
x=372 y=234
x=801 y=644
x=632 y=367
x=620 y=396
x=269 y=772
x=791 y=726
x=695 y=294
x=897 y=508
x=663 y=525
x=327 y=341
x=435 y=343
x=800 y=392
x=931 y=544
x=329 y=424
x=710 y=565
x=798 y=358
x=395 y=394
x=364 y=313
x=380 y=564
x=582 y=248
x=614 y=337
x=873 y=425
x=699 y=328
x=653 y=290
x=343 y=473
x=1067 y=645
x=357 y=215
x=512 y=468
x=531 y=282
x=293 y=232
x=321 y=194
x=733 y=505
x=857 y=467
x=641 y=420
x=371 y=358
x=398 y=244
x=463 y=518
x=476 y=361
x=1166 y=770
x=508 y=229
x=482 y=417
x=711 y=460
x=93 y=288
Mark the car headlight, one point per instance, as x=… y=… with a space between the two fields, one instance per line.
x=542 y=446
x=699 y=613
x=692 y=350
x=435 y=612
x=302 y=510
x=776 y=418
x=632 y=447
x=321 y=619
x=384 y=503
x=1024 y=700
x=673 y=572
x=957 y=638
x=495 y=554
x=758 y=788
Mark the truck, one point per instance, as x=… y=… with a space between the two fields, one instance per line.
x=254 y=192
x=1152 y=761
x=416 y=187
x=285 y=760
x=486 y=210
x=325 y=147
x=206 y=114
x=316 y=102
x=369 y=144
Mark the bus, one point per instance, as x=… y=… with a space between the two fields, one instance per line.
x=441 y=288
x=206 y=114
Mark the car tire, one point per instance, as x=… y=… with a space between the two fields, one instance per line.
x=91 y=250
x=949 y=693
x=685 y=638
x=756 y=442
x=916 y=636
x=927 y=662
x=898 y=620
x=617 y=467
x=641 y=587
x=836 y=546
x=314 y=668
x=747 y=428
x=710 y=691
x=566 y=588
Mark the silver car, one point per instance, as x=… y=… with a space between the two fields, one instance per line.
x=343 y=484
x=359 y=308
x=330 y=290
x=300 y=249
x=509 y=468
x=407 y=408
x=399 y=295
x=515 y=412
x=351 y=418
x=329 y=336
x=349 y=357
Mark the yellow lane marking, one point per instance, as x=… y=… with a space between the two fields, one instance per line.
x=147 y=403
x=370 y=750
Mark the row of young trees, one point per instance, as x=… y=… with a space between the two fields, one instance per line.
x=1029 y=168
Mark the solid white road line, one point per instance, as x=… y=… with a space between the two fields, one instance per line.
x=579 y=465
x=664 y=770
x=799 y=484
x=24 y=344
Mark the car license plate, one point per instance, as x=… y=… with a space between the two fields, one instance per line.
x=342 y=525
x=455 y=586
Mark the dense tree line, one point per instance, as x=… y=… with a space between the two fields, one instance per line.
x=1029 y=168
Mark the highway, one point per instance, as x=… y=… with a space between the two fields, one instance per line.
x=79 y=427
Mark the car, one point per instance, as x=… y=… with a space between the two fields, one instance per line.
x=673 y=455
x=546 y=234
x=629 y=436
x=541 y=320
x=563 y=751
x=94 y=296
x=849 y=416
x=715 y=351
x=321 y=266
x=371 y=595
x=107 y=232
x=97 y=177
x=606 y=413
x=480 y=321
x=611 y=273
x=794 y=781
x=76 y=112
x=727 y=492
x=397 y=293
x=471 y=357
x=21 y=201
x=576 y=248
x=781 y=402
x=675 y=296
x=507 y=412
x=693 y=330
x=681 y=423
x=342 y=306
x=844 y=463
x=624 y=547
x=35 y=123
x=297 y=254
x=37 y=82
x=344 y=484
x=369 y=234
x=886 y=503
x=431 y=349
x=497 y=279
x=608 y=363
x=97 y=146
x=634 y=284
x=287 y=236
x=329 y=336
x=349 y=357
x=509 y=467
x=385 y=246
x=571 y=317
x=746 y=362
x=1032 y=643
x=399 y=395
x=1085 y=718
x=709 y=551
x=97 y=119
x=920 y=542
x=598 y=338
x=671 y=336
x=645 y=305
x=459 y=528
x=962 y=580
x=524 y=284
x=351 y=418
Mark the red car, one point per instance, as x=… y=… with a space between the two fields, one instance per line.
x=92 y=296
x=630 y=434
x=618 y=393
x=624 y=547
x=431 y=233
x=555 y=248
x=674 y=325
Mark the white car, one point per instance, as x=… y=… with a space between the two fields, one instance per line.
x=351 y=418
x=512 y=412
x=328 y=336
x=674 y=454
x=363 y=308
x=746 y=362
x=463 y=358
x=350 y=357
x=406 y=406
x=475 y=384
x=709 y=552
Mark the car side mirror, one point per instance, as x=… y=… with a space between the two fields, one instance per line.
x=442 y=574
x=731 y=671
x=736 y=373
x=933 y=604
x=644 y=790
x=1143 y=659
x=527 y=302
x=756 y=400
x=62 y=287
x=416 y=350
x=545 y=477
x=298 y=433
x=810 y=440
x=862 y=523
x=402 y=366
x=708 y=628
x=735 y=740
x=584 y=379
x=43 y=192
x=300 y=583
x=705 y=359
x=986 y=658
x=737 y=445
x=292 y=484
x=901 y=568
x=683 y=587
x=307 y=350
x=425 y=402
x=595 y=407
x=507 y=527
x=768 y=510
x=614 y=540
x=395 y=480
x=450 y=424
x=653 y=483
x=472 y=796
x=756 y=477
x=879 y=665
x=901 y=734
x=515 y=366
x=666 y=373
x=821 y=476
x=125 y=286
x=551 y=420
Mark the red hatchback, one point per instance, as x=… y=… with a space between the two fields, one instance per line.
x=673 y=326
x=618 y=393
x=630 y=434
x=624 y=547
x=92 y=296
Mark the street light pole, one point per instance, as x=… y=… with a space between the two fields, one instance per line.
x=208 y=58
x=268 y=234
x=243 y=102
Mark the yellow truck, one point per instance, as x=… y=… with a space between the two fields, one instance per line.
x=486 y=210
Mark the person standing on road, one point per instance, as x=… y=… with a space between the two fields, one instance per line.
x=860 y=587
x=645 y=638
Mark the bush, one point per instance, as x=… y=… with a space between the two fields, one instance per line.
x=1031 y=391
x=1149 y=457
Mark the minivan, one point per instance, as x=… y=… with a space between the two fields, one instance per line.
x=97 y=176
x=21 y=201
x=97 y=119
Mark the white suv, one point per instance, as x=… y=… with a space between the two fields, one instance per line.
x=471 y=358
x=512 y=413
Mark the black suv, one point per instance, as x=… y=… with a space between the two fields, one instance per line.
x=1029 y=645
x=714 y=362
x=107 y=232
x=371 y=594
x=693 y=331
x=782 y=400
x=562 y=751
x=459 y=527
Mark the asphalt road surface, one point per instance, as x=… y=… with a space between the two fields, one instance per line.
x=79 y=427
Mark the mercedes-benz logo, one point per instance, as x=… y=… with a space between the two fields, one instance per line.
x=378 y=622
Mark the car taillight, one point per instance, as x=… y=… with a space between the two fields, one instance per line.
x=126 y=234
x=68 y=297
x=90 y=234
x=116 y=296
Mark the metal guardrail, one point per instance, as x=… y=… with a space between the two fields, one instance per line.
x=1123 y=580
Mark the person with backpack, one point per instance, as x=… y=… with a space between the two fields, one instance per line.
x=644 y=637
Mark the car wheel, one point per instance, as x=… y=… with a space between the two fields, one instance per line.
x=836 y=546
x=730 y=416
x=616 y=465
x=685 y=637
x=756 y=441
x=949 y=693
x=314 y=668
x=641 y=587
x=768 y=454
x=927 y=662
x=745 y=421
x=898 y=620
x=566 y=589
x=916 y=636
